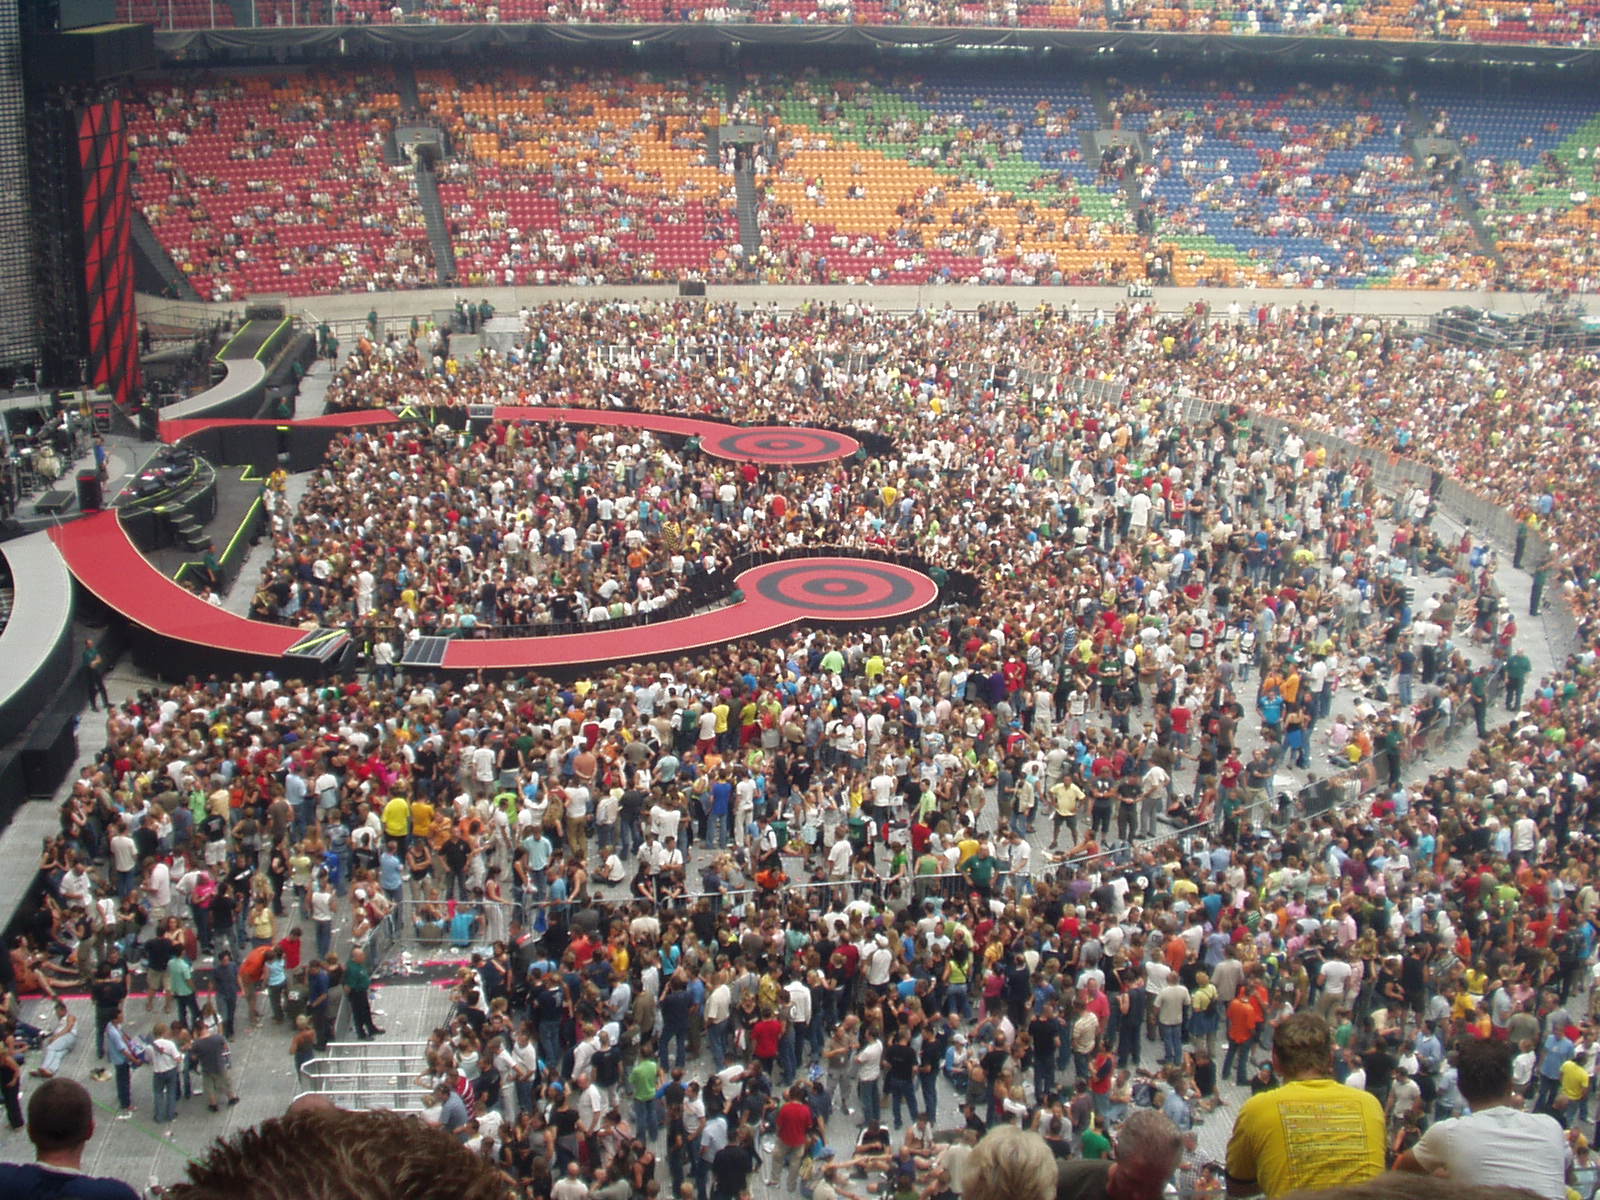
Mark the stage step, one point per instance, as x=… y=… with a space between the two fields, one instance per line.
x=424 y=652
x=189 y=532
x=320 y=645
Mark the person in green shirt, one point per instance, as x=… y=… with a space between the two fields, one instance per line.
x=980 y=870
x=1479 y=689
x=180 y=976
x=1093 y=1143
x=645 y=1079
x=357 y=989
x=928 y=865
x=1518 y=668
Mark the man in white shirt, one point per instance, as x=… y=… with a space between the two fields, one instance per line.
x=1019 y=860
x=664 y=821
x=869 y=1068
x=124 y=859
x=1335 y=975
x=524 y=1056
x=592 y=1104
x=799 y=1012
x=1497 y=1144
x=158 y=888
x=839 y=857
x=571 y=1186
x=719 y=1007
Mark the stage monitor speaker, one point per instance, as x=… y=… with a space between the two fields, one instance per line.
x=692 y=287
x=89 y=497
x=49 y=754
x=264 y=310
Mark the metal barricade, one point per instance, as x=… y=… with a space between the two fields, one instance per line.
x=369 y=1075
x=397 y=1099
x=446 y=924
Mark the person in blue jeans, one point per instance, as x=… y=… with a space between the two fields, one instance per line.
x=165 y=1059
x=676 y=1007
x=900 y=1066
x=869 y=1067
x=121 y=1054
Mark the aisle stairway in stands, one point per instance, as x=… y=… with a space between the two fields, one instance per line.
x=444 y=254
x=1432 y=156
x=425 y=175
x=405 y=86
x=747 y=202
x=1130 y=182
x=746 y=197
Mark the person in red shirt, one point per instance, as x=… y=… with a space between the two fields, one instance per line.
x=765 y=1035
x=583 y=948
x=1102 y=1072
x=291 y=950
x=795 y=1120
x=921 y=835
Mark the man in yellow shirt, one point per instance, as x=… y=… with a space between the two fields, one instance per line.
x=1065 y=795
x=421 y=818
x=969 y=846
x=1312 y=1132
x=397 y=819
x=1574 y=1083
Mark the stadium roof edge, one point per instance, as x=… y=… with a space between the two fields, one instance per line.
x=1104 y=46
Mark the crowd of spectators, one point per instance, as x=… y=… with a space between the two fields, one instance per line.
x=878 y=181
x=1545 y=22
x=575 y=175
x=1315 y=185
x=1056 y=861
x=1544 y=217
x=583 y=176
x=265 y=184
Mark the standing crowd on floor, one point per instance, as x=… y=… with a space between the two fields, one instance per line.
x=1037 y=858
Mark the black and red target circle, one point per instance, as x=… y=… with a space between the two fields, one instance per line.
x=779 y=445
x=841 y=588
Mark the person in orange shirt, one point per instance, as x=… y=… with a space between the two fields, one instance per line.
x=1243 y=1020
x=1177 y=952
x=1291 y=686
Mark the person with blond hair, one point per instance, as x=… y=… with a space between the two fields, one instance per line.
x=1009 y=1164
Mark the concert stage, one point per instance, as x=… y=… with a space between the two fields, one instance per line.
x=176 y=633
x=771 y=445
x=182 y=634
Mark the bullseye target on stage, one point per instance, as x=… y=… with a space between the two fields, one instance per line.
x=779 y=445
x=849 y=589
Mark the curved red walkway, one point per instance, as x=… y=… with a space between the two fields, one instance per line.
x=104 y=559
x=100 y=555
x=894 y=591
x=775 y=444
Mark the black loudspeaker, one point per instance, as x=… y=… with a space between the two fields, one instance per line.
x=50 y=753
x=89 y=498
x=692 y=287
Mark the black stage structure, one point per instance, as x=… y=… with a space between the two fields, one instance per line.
x=85 y=325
